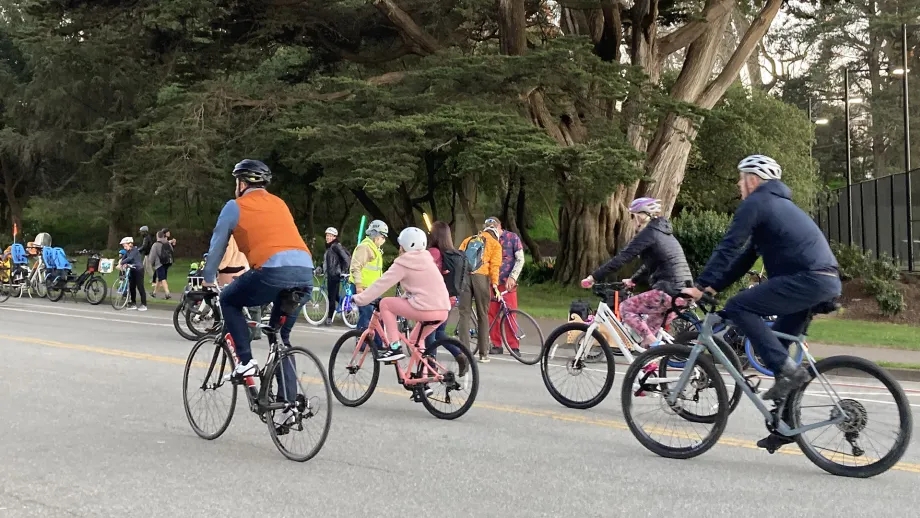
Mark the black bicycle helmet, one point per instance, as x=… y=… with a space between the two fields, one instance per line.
x=252 y=171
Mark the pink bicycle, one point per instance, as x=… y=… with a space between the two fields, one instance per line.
x=446 y=385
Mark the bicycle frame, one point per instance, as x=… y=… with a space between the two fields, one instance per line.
x=773 y=416
x=258 y=399
x=404 y=376
x=605 y=317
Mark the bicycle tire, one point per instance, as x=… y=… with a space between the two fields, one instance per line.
x=6 y=290
x=222 y=353
x=318 y=293
x=350 y=318
x=474 y=382
x=719 y=420
x=757 y=363
x=179 y=314
x=692 y=334
x=208 y=331
x=518 y=316
x=272 y=431
x=105 y=290
x=904 y=412
x=55 y=294
x=545 y=358
x=119 y=299
x=375 y=374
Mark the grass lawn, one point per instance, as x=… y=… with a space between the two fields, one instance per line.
x=871 y=334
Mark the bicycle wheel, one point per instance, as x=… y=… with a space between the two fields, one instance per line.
x=354 y=360
x=757 y=363
x=215 y=363
x=521 y=329
x=179 y=316
x=56 y=293
x=6 y=289
x=560 y=355
x=119 y=298
x=640 y=385
x=96 y=290
x=455 y=389
x=864 y=385
x=317 y=308
x=309 y=414
x=690 y=337
x=200 y=320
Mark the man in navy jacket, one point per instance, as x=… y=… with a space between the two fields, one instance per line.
x=801 y=269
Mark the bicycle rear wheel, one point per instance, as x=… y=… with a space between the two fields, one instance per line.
x=459 y=384
x=353 y=369
x=179 y=316
x=6 y=289
x=215 y=362
x=862 y=385
x=560 y=358
x=119 y=294
x=521 y=329
x=297 y=377
x=643 y=385
x=316 y=309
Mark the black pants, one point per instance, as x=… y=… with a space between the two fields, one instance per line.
x=333 y=282
x=136 y=283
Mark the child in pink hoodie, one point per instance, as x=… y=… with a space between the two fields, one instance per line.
x=426 y=294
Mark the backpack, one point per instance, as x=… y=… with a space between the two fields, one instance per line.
x=455 y=262
x=166 y=254
x=475 y=247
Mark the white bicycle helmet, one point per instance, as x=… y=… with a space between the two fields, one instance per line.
x=377 y=228
x=332 y=231
x=413 y=238
x=127 y=240
x=646 y=205
x=761 y=165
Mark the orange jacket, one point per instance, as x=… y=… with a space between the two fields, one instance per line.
x=491 y=256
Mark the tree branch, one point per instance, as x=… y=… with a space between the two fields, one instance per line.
x=426 y=44
x=751 y=38
x=683 y=36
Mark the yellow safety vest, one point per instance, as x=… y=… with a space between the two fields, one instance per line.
x=374 y=268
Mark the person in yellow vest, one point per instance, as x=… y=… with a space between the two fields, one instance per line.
x=367 y=267
x=265 y=232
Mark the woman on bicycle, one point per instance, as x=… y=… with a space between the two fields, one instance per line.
x=426 y=297
x=663 y=265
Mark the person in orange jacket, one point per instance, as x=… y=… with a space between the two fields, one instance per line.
x=484 y=257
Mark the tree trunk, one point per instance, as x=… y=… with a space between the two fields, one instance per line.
x=9 y=189
x=520 y=216
x=115 y=210
x=582 y=244
x=512 y=25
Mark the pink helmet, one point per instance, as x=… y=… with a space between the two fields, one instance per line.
x=647 y=205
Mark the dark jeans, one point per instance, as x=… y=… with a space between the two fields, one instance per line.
x=439 y=333
x=136 y=283
x=255 y=288
x=789 y=297
x=333 y=283
x=364 y=320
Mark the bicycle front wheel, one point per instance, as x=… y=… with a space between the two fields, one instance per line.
x=562 y=365
x=299 y=379
x=868 y=394
x=200 y=388
x=522 y=337
x=119 y=294
x=179 y=316
x=96 y=290
x=353 y=368
x=6 y=289
x=317 y=308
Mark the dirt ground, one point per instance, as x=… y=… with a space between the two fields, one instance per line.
x=859 y=305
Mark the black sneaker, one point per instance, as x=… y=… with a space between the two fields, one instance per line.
x=391 y=355
x=495 y=350
x=790 y=379
x=774 y=441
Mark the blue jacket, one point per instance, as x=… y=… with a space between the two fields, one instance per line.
x=768 y=224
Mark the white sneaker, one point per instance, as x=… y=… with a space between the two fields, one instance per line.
x=142 y=308
x=241 y=371
x=283 y=417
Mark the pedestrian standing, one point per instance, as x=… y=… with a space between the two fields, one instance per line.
x=335 y=263
x=508 y=273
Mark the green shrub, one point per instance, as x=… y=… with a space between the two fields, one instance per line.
x=699 y=232
x=536 y=273
x=879 y=276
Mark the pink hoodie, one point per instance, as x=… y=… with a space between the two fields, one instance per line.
x=419 y=277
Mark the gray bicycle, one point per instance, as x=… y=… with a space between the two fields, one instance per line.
x=848 y=392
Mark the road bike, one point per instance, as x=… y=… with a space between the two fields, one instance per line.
x=276 y=393
x=842 y=401
x=355 y=354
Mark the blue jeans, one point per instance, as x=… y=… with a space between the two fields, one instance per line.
x=789 y=297
x=364 y=320
x=255 y=288
x=439 y=333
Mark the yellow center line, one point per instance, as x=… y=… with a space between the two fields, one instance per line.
x=546 y=414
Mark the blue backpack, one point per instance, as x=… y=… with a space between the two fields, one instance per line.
x=475 y=247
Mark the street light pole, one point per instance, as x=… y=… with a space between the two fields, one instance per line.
x=846 y=115
x=907 y=166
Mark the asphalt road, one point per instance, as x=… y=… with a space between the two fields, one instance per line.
x=92 y=424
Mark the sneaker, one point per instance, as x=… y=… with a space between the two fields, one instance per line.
x=791 y=378
x=484 y=359
x=282 y=421
x=142 y=308
x=328 y=321
x=495 y=350
x=131 y=306
x=241 y=371
x=391 y=355
x=464 y=365
x=774 y=441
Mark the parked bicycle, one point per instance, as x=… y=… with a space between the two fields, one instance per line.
x=120 y=288
x=276 y=393
x=685 y=392
x=61 y=281
x=355 y=354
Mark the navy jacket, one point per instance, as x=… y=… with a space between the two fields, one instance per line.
x=770 y=225
x=663 y=260
x=134 y=257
